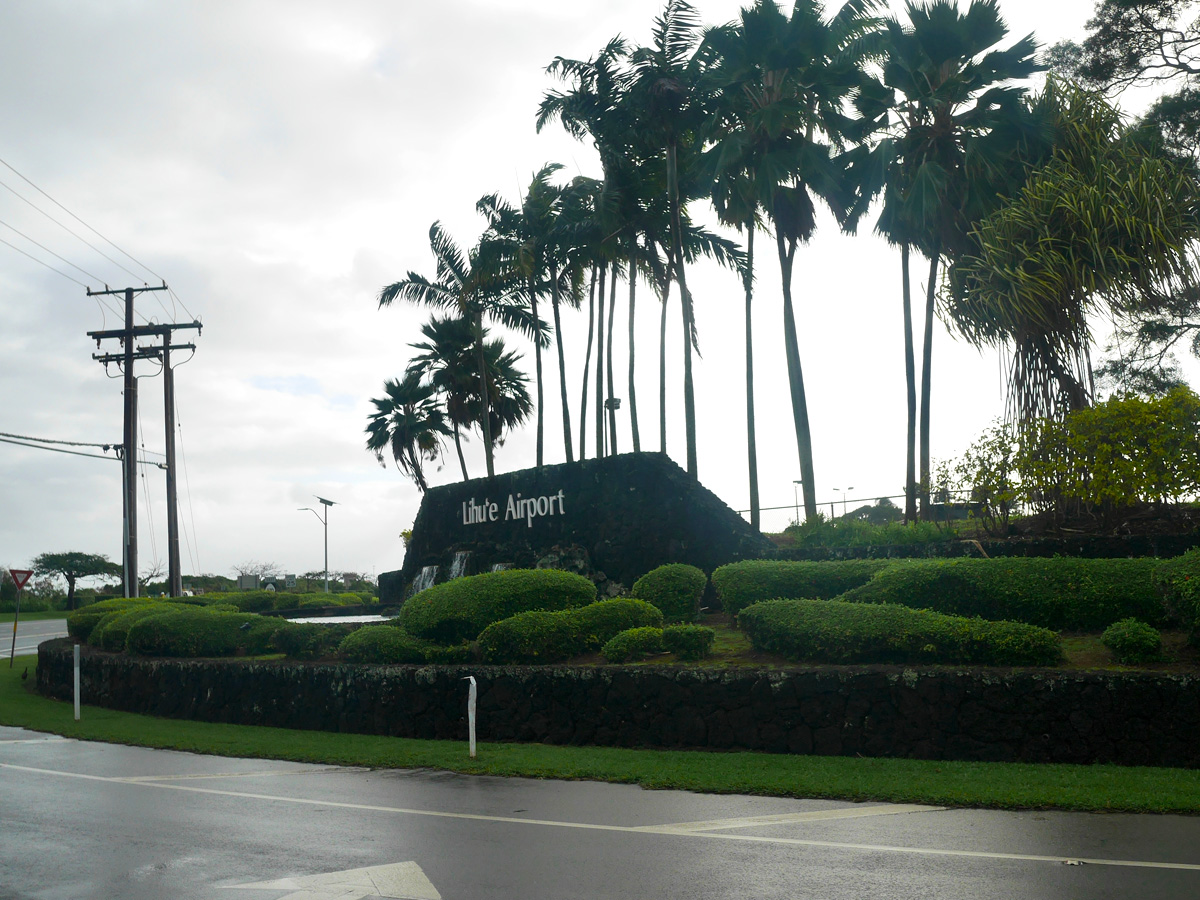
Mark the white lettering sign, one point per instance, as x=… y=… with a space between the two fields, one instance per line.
x=516 y=507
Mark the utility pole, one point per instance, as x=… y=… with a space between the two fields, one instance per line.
x=126 y=336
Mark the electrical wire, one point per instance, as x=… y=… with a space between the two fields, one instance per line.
x=95 y=278
x=25 y=437
x=187 y=490
x=58 y=450
x=46 y=264
x=146 y=496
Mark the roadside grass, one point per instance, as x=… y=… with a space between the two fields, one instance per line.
x=992 y=785
x=6 y=618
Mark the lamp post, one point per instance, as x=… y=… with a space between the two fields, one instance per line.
x=324 y=521
x=796 y=497
x=843 y=493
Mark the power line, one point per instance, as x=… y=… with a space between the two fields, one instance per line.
x=117 y=447
x=52 y=253
x=41 y=262
x=25 y=437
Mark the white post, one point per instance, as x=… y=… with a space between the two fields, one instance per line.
x=472 y=694
x=76 y=682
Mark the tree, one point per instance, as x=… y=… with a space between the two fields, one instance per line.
x=464 y=284
x=410 y=423
x=950 y=87
x=447 y=361
x=74 y=565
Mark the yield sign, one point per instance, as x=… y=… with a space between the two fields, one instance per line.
x=399 y=881
x=20 y=576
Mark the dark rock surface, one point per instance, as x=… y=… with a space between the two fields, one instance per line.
x=927 y=713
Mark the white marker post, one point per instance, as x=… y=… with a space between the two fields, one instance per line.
x=472 y=694
x=76 y=682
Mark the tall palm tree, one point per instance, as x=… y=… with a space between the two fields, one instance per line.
x=464 y=285
x=951 y=88
x=410 y=423
x=447 y=360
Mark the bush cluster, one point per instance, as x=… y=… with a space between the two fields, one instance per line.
x=541 y=636
x=1059 y=593
x=265 y=601
x=741 y=583
x=833 y=631
x=459 y=610
x=675 y=589
x=81 y=622
x=201 y=631
x=309 y=640
x=112 y=631
x=1178 y=580
x=688 y=642
x=632 y=645
x=381 y=644
x=1132 y=641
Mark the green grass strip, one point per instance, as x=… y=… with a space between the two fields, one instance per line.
x=971 y=784
x=34 y=617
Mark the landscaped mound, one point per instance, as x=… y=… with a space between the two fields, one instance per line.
x=459 y=610
x=831 y=631
x=1060 y=593
x=742 y=583
x=81 y=622
x=200 y=631
x=541 y=636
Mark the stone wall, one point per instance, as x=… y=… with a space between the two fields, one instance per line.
x=924 y=713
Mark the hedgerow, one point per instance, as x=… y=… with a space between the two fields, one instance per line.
x=112 y=631
x=675 y=589
x=381 y=644
x=81 y=622
x=201 y=631
x=832 y=631
x=741 y=583
x=1059 y=593
x=632 y=645
x=459 y=610
x=1178 y=580
x=309 y=640
x=541 y=636
x=688 y=642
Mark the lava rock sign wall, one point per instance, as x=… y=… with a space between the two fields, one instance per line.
x=613 y=519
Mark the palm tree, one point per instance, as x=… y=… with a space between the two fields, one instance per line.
x=410 y=422
x=447 y=361
x=464 y=285
x=951 y=92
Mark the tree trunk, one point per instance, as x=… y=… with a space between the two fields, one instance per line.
x=751 y=442
x=910 y=378
x=461 y=459
x=610 y=405
x=485 y=418
x=662 y=364
x=70 y=594
x=633 y=420
x=537 y=365
x=796 y=381
x=926 y=375
x=587 y=362
x=685 y=297
x=600 y=365
x=562 y=365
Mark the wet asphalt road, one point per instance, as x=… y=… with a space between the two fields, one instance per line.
x=29 y=635
x=91 y=820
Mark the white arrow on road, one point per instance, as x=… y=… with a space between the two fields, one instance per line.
x=397 y=881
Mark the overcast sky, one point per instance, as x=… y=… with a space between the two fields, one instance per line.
x=277 y=163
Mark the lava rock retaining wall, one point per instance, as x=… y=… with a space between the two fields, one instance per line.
x=923 y=713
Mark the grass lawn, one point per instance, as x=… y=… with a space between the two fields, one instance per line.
x=34 y=616
x=999 y=785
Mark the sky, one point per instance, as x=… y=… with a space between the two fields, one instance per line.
x=277 y=163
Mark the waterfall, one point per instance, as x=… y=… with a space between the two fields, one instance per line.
x=500 y=567
x=424 y=580
x=458 y=568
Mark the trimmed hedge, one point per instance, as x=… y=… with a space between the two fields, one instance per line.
x=309 y=640
x=381 y=644
x=688 y=642
x=112 y=631
x=634 y=644
x=541 y=636
x=1178 y=580
x=750 y=581
x=201 y=631
x=675 y=588
x=1059 y=593
x=1132 y=641
x=459 y=610
x=832 y=631
x=81 y=622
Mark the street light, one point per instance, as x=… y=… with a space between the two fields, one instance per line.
x=796 y=497
x=324 y=521
x=843 y=493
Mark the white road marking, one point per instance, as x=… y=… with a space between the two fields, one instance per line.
x=665 y=830
x=397 y=881
x=855 y=812
x=37 y=740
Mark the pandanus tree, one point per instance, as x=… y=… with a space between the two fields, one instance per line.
x=463 y=284
x=952 y=88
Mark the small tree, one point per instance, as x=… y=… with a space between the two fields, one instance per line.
x=74 y=565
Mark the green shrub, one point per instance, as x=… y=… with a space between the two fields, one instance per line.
x=634 y=644
x=675 y=588
x=381 y=644
x=742 y=583
x=81 y=622
x=317 y=601
x=1132 y=641
x=601 y=621
x=112 y=631
x=459 y=610
x=201 y=631
x=251 y=601
x=309 y=640
x=688 y=642
x=832 y=631
x=449 y=656
x=1059 y=593
x=537 y=636
x=1178 y=580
